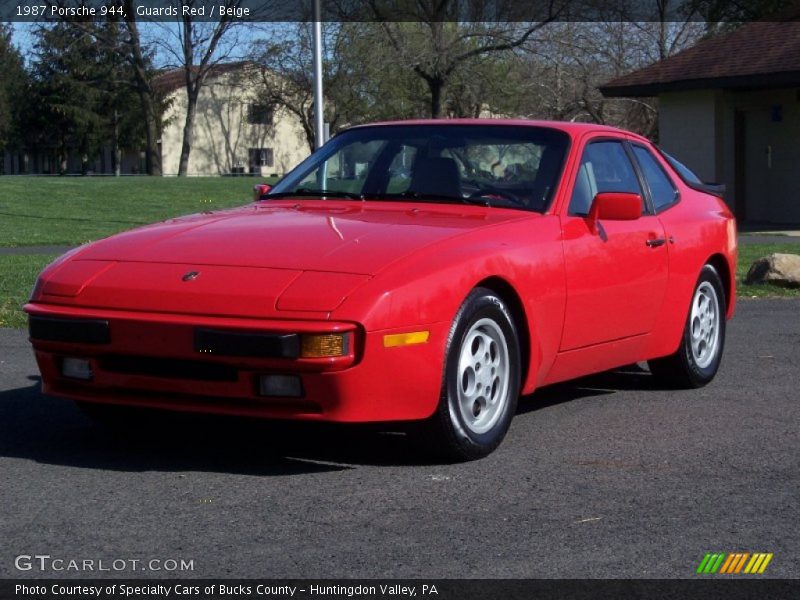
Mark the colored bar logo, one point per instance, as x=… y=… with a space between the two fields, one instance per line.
x=732 y=563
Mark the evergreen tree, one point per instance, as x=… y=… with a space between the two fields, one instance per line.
x=68 y=97
x=13 y=86
x=82 y=84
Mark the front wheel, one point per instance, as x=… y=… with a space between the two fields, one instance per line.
x=481 y=379
x=698 y=357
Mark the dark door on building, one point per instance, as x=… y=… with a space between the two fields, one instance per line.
x=753 y=143
x=767 y=186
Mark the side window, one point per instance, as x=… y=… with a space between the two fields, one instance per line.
x=605 y=167
x=662 y=190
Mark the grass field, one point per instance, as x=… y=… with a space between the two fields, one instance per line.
x=17 y=276
x=68 y=211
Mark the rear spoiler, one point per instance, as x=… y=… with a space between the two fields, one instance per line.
x=715 y=189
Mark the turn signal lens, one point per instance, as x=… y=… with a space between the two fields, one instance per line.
x=324 y=345
x=405 y=339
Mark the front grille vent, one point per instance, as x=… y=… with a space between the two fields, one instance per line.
x=169 y=368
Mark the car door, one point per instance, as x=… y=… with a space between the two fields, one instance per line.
x=616 y=274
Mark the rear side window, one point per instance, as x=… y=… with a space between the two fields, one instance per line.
x=662 y=190
x=605 y=167
x=682 y=169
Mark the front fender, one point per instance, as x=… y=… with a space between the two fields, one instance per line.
x=429 y=286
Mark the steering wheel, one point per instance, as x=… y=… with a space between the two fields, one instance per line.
x=490 y=190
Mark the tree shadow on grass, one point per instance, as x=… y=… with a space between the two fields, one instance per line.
x=54 y=431
x=60 y=217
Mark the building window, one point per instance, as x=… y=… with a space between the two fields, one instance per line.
x=259 y=114
x=261 y=157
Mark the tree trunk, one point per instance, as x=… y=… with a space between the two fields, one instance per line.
x=146 y=94
x=152 y=155
x=188 y=132
x=63 y=158
x=436 y=87
x=117 y=152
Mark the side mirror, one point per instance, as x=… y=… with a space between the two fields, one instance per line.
x=260 y=189
x=614 y=206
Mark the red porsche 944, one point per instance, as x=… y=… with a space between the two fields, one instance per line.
x=427 y=271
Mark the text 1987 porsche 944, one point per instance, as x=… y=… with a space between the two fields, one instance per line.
x=427 y=271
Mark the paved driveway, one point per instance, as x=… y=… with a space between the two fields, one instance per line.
x=606 y=477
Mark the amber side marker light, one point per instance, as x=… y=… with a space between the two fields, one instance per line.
x=405 y=339
x=325 y=345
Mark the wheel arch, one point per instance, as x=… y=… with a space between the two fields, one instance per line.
x=509 y=295
x=722 y=267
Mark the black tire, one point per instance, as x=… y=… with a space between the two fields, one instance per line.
x=454 y=432
x=685 y=369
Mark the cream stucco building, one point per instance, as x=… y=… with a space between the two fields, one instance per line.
x=235 y=131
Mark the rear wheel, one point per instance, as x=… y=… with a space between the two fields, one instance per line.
x=481 y=380
x=698 y=357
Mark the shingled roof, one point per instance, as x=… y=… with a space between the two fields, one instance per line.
x=174 y=79
x=756 y=55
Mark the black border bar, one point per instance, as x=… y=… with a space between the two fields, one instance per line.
x=475 y=11
x=734 y=588
x=221 y=342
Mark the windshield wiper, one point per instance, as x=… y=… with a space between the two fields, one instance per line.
x=309 y=192
x=444 y=197
x=423 y=197
x=479 y=200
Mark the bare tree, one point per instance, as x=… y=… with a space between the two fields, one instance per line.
x=145 y=90
x=354 y=72
x=436 y=46
x=197 y=46
x=432 y=66
x=571 y=59
x=286 y=77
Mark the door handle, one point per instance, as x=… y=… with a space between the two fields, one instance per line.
x=656 y=242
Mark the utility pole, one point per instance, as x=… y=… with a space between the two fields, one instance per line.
x=319 y=117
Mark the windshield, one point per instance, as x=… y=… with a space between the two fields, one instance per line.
x=494 y=165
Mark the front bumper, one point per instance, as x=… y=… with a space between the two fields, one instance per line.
x=153 y=360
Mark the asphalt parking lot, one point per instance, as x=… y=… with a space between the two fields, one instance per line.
x=605 y=477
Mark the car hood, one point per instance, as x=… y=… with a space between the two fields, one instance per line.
x=342 y=237
x=258 y=261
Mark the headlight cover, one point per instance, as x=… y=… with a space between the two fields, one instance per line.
x=319 y=291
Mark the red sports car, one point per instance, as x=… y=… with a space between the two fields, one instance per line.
x=426 y=271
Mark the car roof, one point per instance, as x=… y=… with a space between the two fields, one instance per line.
x=567 y=126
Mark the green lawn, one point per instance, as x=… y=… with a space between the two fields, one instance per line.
x=17 y=276
x=68 y=211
